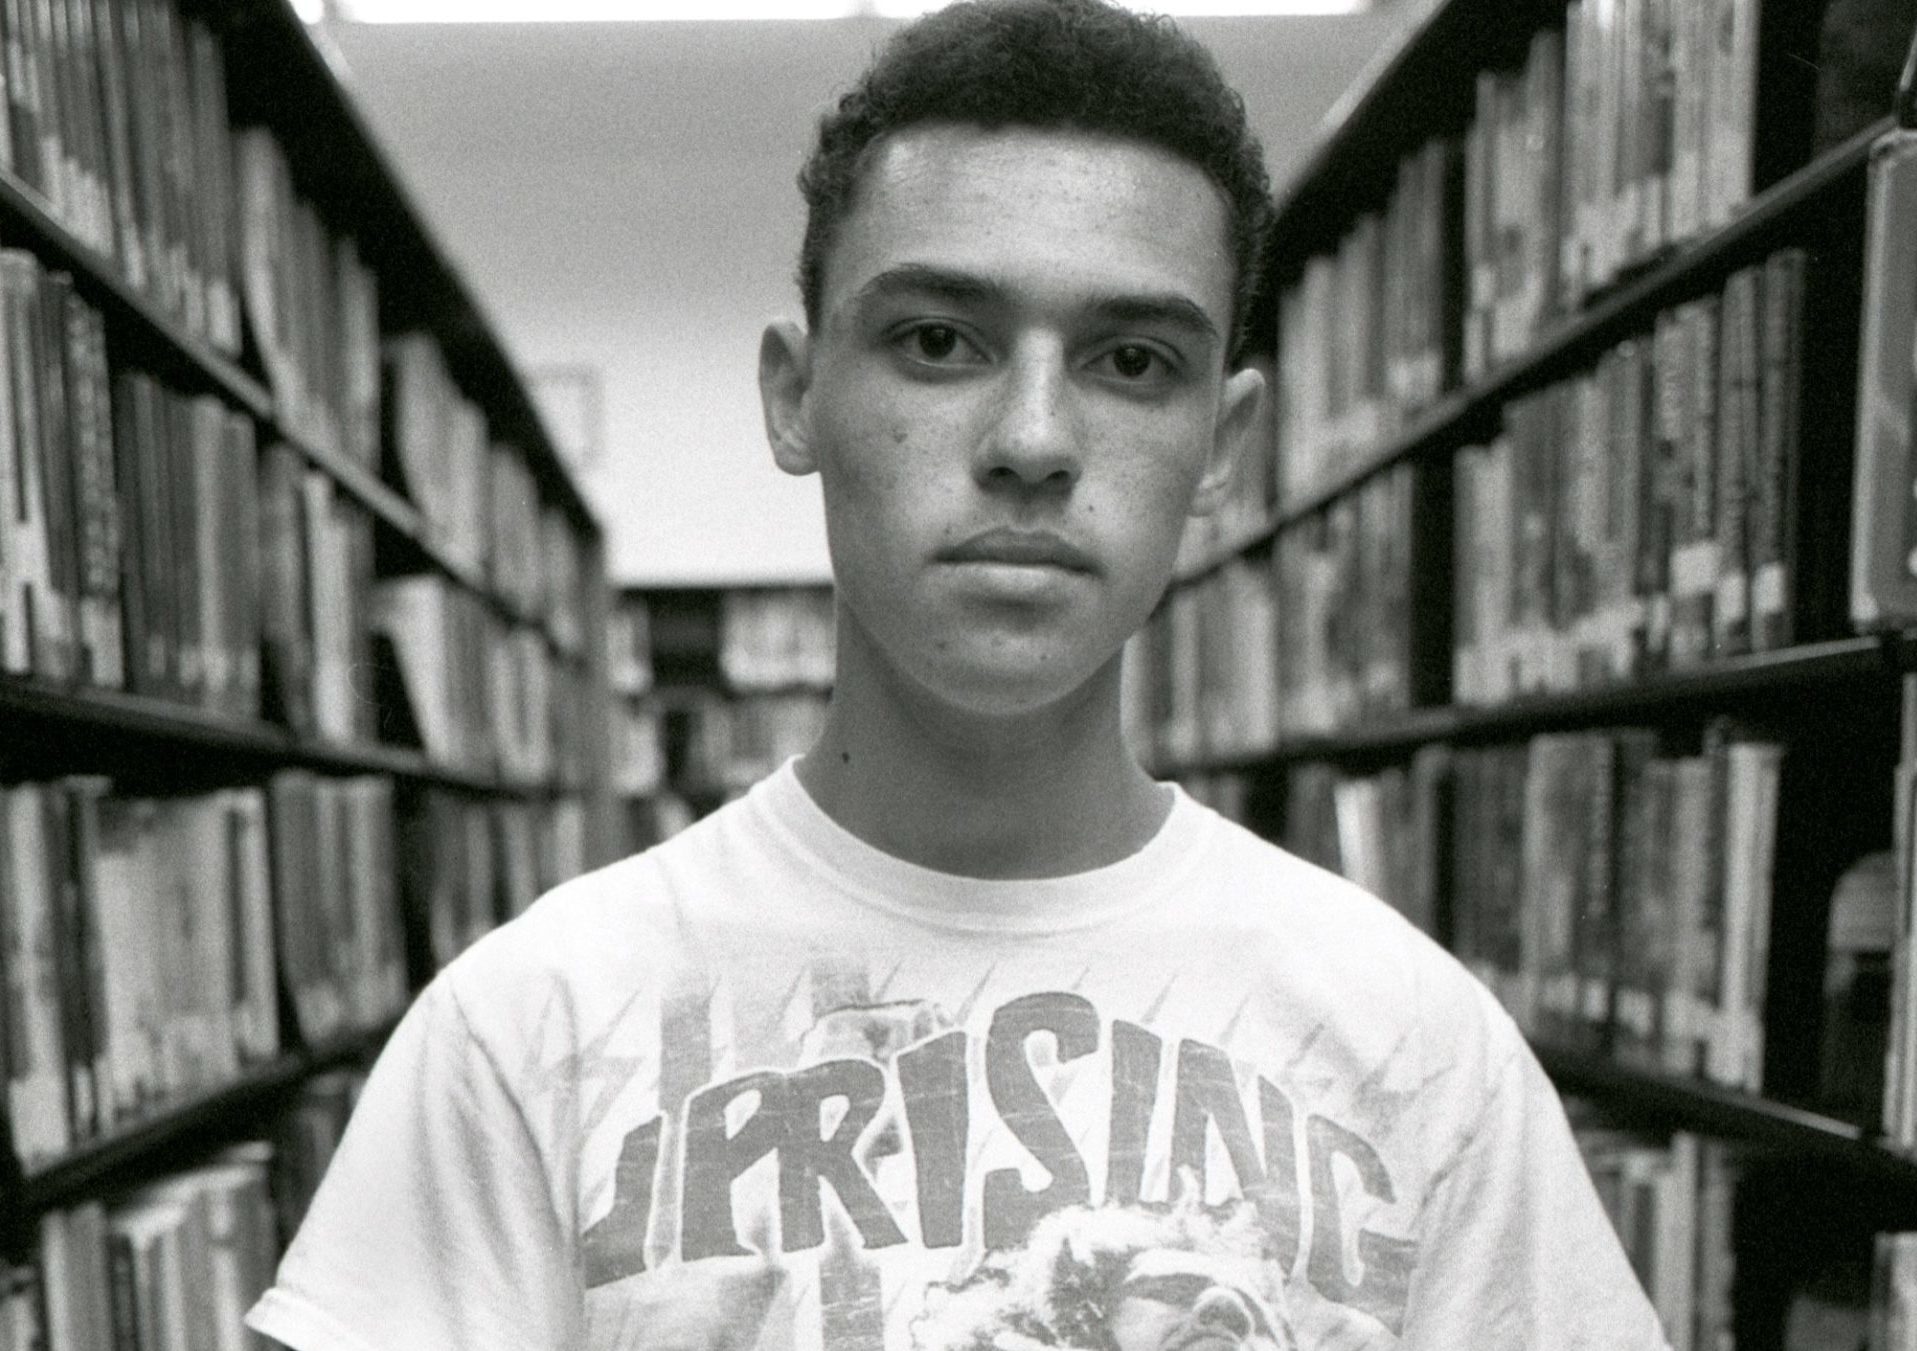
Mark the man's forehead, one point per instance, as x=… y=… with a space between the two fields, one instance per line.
x=1124 y=214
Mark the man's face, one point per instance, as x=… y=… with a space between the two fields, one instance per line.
x=1015 y=397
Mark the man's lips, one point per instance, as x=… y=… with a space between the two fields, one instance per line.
x=1027 y=548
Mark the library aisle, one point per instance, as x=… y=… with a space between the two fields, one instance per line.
x=1570 y=605
x=302 y=672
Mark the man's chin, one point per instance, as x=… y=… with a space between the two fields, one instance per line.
x=1012 y=686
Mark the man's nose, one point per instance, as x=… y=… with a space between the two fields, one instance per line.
x=1033 y=438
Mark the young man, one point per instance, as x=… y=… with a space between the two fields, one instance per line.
x=961 y=1032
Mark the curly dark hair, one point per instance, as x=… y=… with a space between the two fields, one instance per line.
x=1083 y=65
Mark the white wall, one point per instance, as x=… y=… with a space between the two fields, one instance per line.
x=621 y=196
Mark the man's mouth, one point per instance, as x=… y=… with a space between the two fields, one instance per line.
x=1021 y=548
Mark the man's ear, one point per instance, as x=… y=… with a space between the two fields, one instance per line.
x=785 y=374
x=1241 y=408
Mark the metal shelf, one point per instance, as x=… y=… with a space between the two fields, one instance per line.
x=155 y=724
x=1668 y=1101
x=1811 y=665
x=129 y=1153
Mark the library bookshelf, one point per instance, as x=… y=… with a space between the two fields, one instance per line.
x=716 y=686
x=300 y=609
x=1553 y=608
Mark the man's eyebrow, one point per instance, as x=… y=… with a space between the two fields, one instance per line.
x=1174 y=310
x=1153 y=307
x=924 y=279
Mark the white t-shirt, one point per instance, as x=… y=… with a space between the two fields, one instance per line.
x=767 y=1088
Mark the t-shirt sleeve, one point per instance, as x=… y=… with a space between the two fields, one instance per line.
x=1516 y=1250
x=434 y=1228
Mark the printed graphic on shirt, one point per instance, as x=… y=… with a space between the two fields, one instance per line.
x=827 y=1166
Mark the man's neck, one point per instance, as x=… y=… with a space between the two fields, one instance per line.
x=1043 y=794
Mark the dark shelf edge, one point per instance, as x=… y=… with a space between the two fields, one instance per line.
x=1838 y=660
x=1613 y=312
x=361 y=484
x=1237 y=546
x=60 y=248
x=1723 y=1113
x=1351 y=109
x=183 y=725
x=102 y=1164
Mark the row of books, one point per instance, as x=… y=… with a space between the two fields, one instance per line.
x=642 y=822
x=1671 y=1200
x=629 y=670
x=1900 y=1090
x=468 y=864
x=1307 y=637
x=315 y=630
x=311 y=305
x=1729 y=1257
x=1644 y=516
x=719 y=743
x=478 y=691
x=116 y=117
x=147 y=939
x=174 y=1264
x=1201 y=678
x=391 y=404
x=146 y=543
x=342 y=953
x=638 y=748
x=1614 y=896
x=177 y=1262
x=1344 y=580
x=766 y=730
x=1362 y=332
x=60 y=586
x=1893 y=1325
x=479 y=495
x=1639 y=518
x=774 y=637
x=1883 y=580
x=1631 y=127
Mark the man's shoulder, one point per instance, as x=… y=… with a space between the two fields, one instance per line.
x=1271 y=882
x=1310 y=917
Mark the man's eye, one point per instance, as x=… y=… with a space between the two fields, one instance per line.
x=938 y=343
x=1134 y=361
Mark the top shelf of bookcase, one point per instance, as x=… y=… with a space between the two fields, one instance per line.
x=1684 y=271
x=276 y=65
x=333 y=145
x=167 y=348
x=1390 y=105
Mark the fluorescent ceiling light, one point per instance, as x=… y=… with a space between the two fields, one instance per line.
x=604 y=11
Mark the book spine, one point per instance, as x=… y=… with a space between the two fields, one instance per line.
x=1884 y=529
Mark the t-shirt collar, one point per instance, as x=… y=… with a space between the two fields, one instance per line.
x=791 y=820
